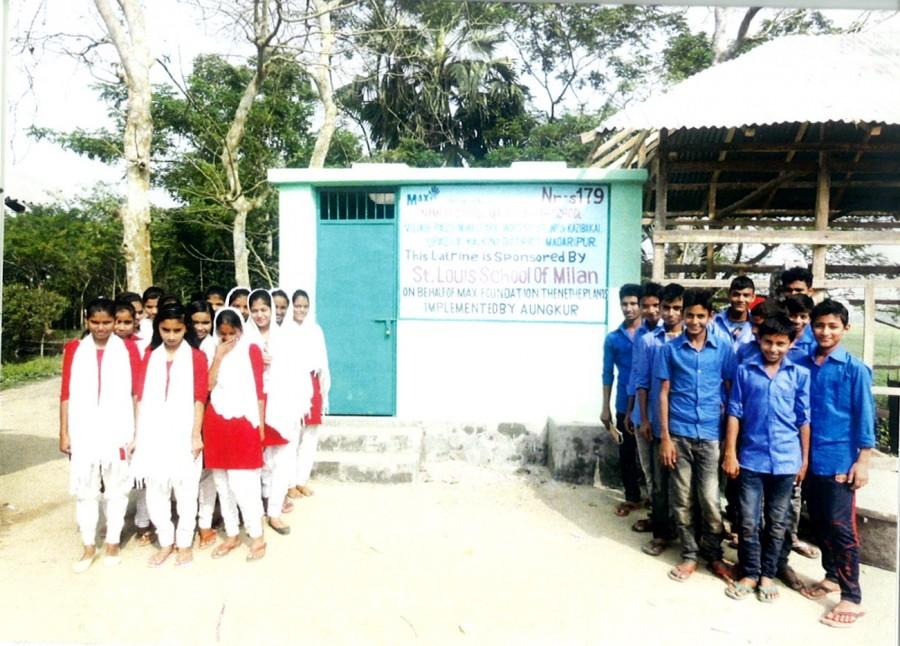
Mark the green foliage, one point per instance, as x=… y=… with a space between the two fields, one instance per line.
x=28 y=313
x=535 y=139
x=16 y=374
x=686 y=54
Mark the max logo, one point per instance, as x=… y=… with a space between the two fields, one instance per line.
x=419 y=198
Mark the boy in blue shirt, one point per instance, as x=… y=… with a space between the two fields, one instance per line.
x=618 y=348
x=648 y=405
x=799 y=309
x=733 y=323
x=693 y=369
x=842 y=420
x=768 y=416
x=798 y=280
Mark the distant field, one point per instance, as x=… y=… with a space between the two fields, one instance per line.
x=887 y=349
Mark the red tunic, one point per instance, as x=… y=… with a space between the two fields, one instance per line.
x=201 y=375
x=137 y=373
x=314 y=417
x=234 y=443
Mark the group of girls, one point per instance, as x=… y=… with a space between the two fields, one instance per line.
x=219 y=398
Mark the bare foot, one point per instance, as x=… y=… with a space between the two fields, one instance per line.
x=820 y=589
x=683 y=571
x=843 y=615
x=160 y=557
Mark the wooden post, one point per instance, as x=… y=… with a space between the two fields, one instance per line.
x=710 y=247
x=659 y=222
x=869 y=324
x=823 y=194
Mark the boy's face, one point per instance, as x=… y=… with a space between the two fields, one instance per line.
x=630 y=308
x=696 y=318
x=124 y=325
x=800 y=321
x=774 y=347
x=216 y=301
x=672 y=312
x=740 y=300
x=829 y=329
x=150 y=307
x=650 y=310
x=796 y=287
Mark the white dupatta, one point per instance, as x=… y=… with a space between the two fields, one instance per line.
x=234 y=394
x=163 y=448
x=101 y=407
x=315 y=355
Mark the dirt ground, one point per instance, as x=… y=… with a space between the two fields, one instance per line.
x=467 y=555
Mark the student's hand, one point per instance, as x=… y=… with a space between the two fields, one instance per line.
x=731 y=466
x=196 y=446
x=606 y=418
x=646 y=431
x=267 y=358
x=225 y=347
x=262 y=433
x=801 y=475
x=859 y=475
x=629 y=425
x=668 y=454
x=65 y=444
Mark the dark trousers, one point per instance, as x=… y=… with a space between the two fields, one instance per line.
x=763 y=496
x=832 y=510
x=628 y=462
x=793 y=524
x=696 y=476
x=661 y=521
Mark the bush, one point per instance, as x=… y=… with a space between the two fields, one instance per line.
x=28 y=313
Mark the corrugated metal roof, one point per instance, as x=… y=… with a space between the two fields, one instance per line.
x=818 y=79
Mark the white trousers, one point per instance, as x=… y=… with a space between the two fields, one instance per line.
x=116 y=485
x=206 y=503
x=159 y=497
x=280 y=465
x=306 y=454
x=240 y=489
x=141 y=512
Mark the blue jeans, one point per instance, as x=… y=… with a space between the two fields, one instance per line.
x=832 y=509
x=696 y=476
x=759 y=549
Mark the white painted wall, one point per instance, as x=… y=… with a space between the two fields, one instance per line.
x=297 y=230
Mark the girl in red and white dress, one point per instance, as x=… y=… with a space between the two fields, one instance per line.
x=284 y=404
x=201 y=315
x=233 y=432
x=96 y=427
x=168 y=441
x=315 y=362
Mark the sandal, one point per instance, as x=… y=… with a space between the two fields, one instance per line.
x=655 y=547
x=767 y=593
x=288 y=506
x=805 y=549
x=625 y=508
x=257 y=552
x=224 y=548
x=304 y=490
x=144 y=536
x=843 y=619
x=642 y=526
x=817 y=590
x=184 y=557
x=81 y=565
x=160 y=557
x=294 y=492
x=680 y=574
x=739 y=591
x=207 y=537
x=284 y=530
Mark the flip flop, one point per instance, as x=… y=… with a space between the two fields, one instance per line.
x=288 y=506
x=224 y=548
x=655 y=547
x=81 y=565
x=181 y=561
x=158 y=559
x=816 y=591
x=836 y=623
x=679 y=575
x=805 y=549
x=739 y=591
x=642 y=526
x=283 y=530
x=207 y=538
x=767 y=593
x=256 y=553
x=625 y=508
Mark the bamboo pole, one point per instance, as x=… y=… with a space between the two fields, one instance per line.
x=659 y=224
x=869 y=324
x=823 y=195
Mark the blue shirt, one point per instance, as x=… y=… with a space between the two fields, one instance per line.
x=646 y=354
x=618 y=348
x=801 y=347
x=695 y=384
x=842 y=411
x=637 y=349
x=737 y=333
x=771 y=410
x=748 y=351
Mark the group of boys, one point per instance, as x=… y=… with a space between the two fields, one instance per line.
x=760 y=402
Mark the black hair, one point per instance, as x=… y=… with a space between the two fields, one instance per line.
x=168 y=299
x=741 y=282
x=100 y=304
x=695 y=297
x=794 y=274
x=259 y=294
x=651 y=289
x=173 y=311
x=129 y=297
x=152 y=292
x=199 y=305
x=236 y=294
x=768 y=308
x=629 y=289
x=831 y=306
x=280 y=292
x=671 y=292
x=798 y=304
x=229 y=317
x=218 y=290
x=125 y=306
x=298 y=293
x=779 y=324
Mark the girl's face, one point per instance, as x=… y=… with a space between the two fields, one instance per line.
x=172 y=332
x=138 y=312
x=228 y=333
x=261 y=313
x=281 y=305
x=100 y=325
x=240 y=303
x=124 y=325
x=202 y=323
x=301 y=308
x=216 y=301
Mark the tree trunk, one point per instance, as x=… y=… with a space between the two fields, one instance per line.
x=239 y=239
x=324 y=85
x=129 y=38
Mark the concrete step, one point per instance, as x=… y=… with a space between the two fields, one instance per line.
x=369 y=449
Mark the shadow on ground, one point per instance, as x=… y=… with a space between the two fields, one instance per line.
x=20 y=451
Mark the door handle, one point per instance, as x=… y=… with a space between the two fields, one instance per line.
x=387 y=325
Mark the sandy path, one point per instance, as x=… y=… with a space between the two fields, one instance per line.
x=469 y=556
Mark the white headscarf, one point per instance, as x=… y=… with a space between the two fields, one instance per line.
x=314 y=353
x=234 y=394
x=228 y=298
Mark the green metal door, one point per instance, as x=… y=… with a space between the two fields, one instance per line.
x=356 y=289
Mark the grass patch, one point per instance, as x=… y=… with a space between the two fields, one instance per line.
x=16 y=374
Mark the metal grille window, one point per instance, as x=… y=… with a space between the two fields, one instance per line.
x=358 y=204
